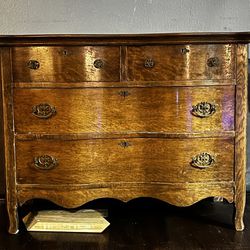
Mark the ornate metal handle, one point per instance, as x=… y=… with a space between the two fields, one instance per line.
x=149 y=63
x=203 y=109
x=45 y=162
x=124 y=93
x=202 y=160
x=213 y=62
x=33 y=64
x=98 y=63
x=124 y=144
x=43 y=110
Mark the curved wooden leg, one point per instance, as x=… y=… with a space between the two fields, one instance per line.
x=13 y=219
x=239 y=214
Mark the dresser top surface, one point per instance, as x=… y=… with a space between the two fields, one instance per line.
x=108 y=39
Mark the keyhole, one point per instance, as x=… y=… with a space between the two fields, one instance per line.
x=124 y=144
x=184 y=50
x=124 y=93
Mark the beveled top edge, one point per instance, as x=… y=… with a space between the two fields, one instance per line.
x=105 y=39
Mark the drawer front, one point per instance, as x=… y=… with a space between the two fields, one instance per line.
x=133 y=160
x=107 y=110
x=179 y=62
x=66 y=64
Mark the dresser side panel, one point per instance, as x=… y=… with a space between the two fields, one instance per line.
x=2 y=169
x=240 y=137
x=8 y=127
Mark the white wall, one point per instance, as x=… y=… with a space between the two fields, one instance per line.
x=122 y=16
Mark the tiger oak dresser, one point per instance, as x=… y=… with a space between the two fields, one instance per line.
x=124 y=116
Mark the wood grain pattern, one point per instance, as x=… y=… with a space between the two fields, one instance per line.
x=66 y=64
x=106 y=111
x=178 y=194
x=170 y=63
x=8 y=126
x=240 y=138
x=124 y=131
x=107 y=160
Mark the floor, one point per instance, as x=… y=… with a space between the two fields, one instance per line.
x=142 y=224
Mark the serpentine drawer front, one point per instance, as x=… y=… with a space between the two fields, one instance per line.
x=126 y=110
x=178 y=62
x=104 y=160
x=72 y=64
x=129 y=116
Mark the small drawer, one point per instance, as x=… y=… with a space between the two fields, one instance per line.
x=180 y=62
x=66 y=64
x=125 y=160
x=124 y=110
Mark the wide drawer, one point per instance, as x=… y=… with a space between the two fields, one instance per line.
x=66 y=64
x=119 y=160
x=179 y=62
x=124 y=110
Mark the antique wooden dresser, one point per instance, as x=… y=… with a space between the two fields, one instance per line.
x=124 y=116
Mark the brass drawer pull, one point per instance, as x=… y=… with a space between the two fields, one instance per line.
x=43 y=111
x=203 y=109
x=149 y=63
x=124 y=144
x=203 y=160
x=33 y=64
x=98 y=63
x=45 y=162
x=213 y=62
x=124 y=93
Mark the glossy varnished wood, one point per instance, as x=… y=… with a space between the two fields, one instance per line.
x=240 y=138
x=66 y=64
x=105 y=110
x=171 y=63
x=124 y=131
x=108 y=161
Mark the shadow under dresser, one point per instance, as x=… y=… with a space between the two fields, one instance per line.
x=124 y=116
